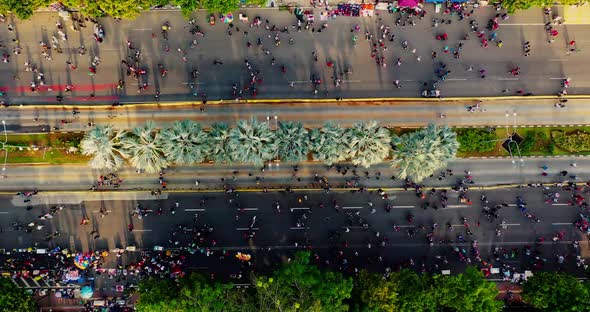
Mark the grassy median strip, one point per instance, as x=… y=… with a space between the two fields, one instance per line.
x=62 y=148
x=536 y=141
x=52 y=148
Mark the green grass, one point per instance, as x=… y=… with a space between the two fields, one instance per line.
x=540 y=148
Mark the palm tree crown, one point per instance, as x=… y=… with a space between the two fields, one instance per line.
x=252 y=142
x=220 y=148
x=421 y=153
x=368 y=143
x=102 y=143
x=327 y=143
x=142 y=147
x=185 y=143
x=292 y=141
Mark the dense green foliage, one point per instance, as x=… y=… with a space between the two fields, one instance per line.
x=512 y=5
x=577 y=141
x=409 y=291
x=476 y=140
x=13 y=298
x=121 y=8
x=554 y=291
x=298 y=285
x=536 y=142
x=421 y=153
x=149 y=149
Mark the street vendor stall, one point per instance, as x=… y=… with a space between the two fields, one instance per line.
x=367 y=9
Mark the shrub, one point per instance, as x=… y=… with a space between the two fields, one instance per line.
x=576 y=141
x=476 y=140
x=534 y=141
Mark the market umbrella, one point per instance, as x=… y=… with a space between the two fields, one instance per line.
x=408 y=3
x=86 y=292
x=228 y=18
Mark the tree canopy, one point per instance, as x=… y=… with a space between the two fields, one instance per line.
x=419 y=154
x=13 y=298
x=368 y=144
x=301 y=286
x=555 y=291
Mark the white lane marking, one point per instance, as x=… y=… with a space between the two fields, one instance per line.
x=560 y=204
x=457 y=206
x=562 y=223
x=247 y=229
x=300 y=208
x=192 y=83
x=507 y=78
x=557 y=60
x=558 y=78
x=111 y=49
x=300 y=228
x=405 y=226
x=248 y=209
x=353 y=227
x=401 y=207
x=141 y=29
x=97 y=211
x=3 y=212
x=512 y=205
x=510 y=224
x=455 y=79
x=351 y=81
x=352 y=207
x=195 y=209
x=142 y=230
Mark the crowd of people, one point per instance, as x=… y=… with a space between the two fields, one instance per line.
x=262 y=37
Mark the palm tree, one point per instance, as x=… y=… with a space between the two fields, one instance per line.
x=368 y=143
x=220 y=151
x=252 y=142
x=419 y=154
x=102 y=143
x=185 y=143
x=142 y=147
x=293 y=141
x=328 y=143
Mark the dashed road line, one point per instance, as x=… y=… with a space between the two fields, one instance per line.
x=195 y=209
x=560 y=204
x=300 y=208
x=562 y=223
x=247 y=209
x=142 y=230
x=299 y=228
x=97 y=211
x=352 y=207
x=247 y=229
x=457 y=206
x=402 y=207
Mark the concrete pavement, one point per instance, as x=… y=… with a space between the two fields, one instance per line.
x=494 y=112
x=486 y=172
x=540 y=73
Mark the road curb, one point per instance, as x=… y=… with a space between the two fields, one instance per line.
x=444 y=100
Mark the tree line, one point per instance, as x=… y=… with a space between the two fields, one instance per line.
x=128 y=9
x=416 y=154
x=299 y=285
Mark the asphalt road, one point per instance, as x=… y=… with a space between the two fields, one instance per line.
x=486 y=172
x=307 y=225
x=541 y=72
x=497 y=113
